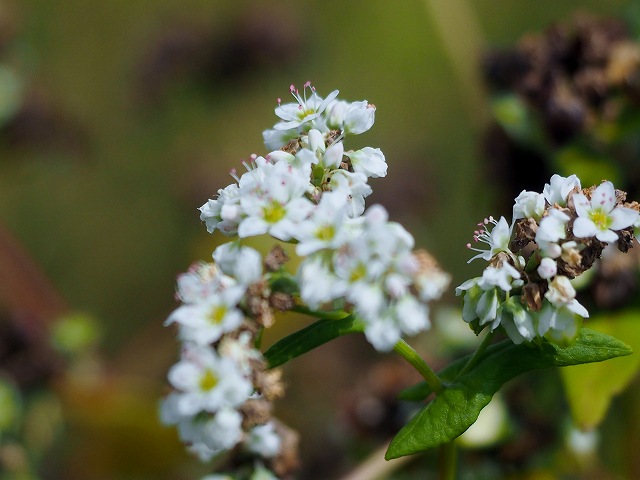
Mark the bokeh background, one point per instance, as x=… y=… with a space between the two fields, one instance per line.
x=118 y=119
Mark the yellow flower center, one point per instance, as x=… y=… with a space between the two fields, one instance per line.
x=208 y=380
x=601 y=219
x=217 y=313
x=326 y=232
x=358 y=273
x=303 y=113
x=274 y=212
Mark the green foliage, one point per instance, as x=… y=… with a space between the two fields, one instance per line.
x=316 y=334
x=458 y=406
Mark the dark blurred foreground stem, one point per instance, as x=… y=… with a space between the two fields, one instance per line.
x=447 y=461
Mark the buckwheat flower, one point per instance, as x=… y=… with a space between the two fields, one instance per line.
x=599 y=217
x=352 y=118
x=305 y=110
x=323 y=229
x=412 y=316
x=223 y=431
x=206 y=321
x=559 y=324
x=517 y=321
x=359 y=118
x=242 y=263
x=240 y=350
x=223 y=213
x=369 y=161
x=497 y=239
x=275 y=139
x=264 y=440
x=547 y=268
x=275 y=203
x=559 y=188
x=505 y=277
x=207 y=382
x=353 y=187
x=200 y=282
x=529 y=205
x=382 y=332
x=551 y=230
x=562 y=294
x=472 y=293
x=318 y=153
x=318 y=284
x=427 y=278
x=368 y=297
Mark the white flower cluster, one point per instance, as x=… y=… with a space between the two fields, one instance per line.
x=555 y=236
x=312 y=191
x=309 y=191
x=215 y=376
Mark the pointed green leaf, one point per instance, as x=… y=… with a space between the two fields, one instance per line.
x=308 y=338
x=458 y=406
x=602 y=381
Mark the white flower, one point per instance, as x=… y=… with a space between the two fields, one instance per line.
x=352 y=118
x=275 y=139
x=223 y=213
x=504 y=277
x=239 y=350
x=547 y=268
x=383 y=333
x=318 y=153
x=223 y=431
x=498 y=239
x=353 y=186
x=206 y=382
x=369 y=161
x=559 y=188
x=559 y=324
x=273 y=200
x=305 y=109
x=240 y=262
x=324 y=227
x=264 y=440
x=517 y=321
x=600 y=217
x=317 y=282
x=204 y=322
x=412 y=315
x=200 y=282
x=528 y=205
x=562 y=294
x=552 y=229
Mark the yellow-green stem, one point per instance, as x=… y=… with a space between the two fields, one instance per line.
x=410 y=355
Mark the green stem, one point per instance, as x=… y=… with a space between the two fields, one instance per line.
x=447 y=461
x=478 y=354
x=410 y=355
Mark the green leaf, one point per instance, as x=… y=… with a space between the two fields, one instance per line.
x=458 y=406
x=310 y=337
x=602 y=381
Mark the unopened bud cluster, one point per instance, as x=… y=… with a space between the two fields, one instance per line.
x=554 y=236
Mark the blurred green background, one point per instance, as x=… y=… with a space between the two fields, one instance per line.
x=119 y=119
